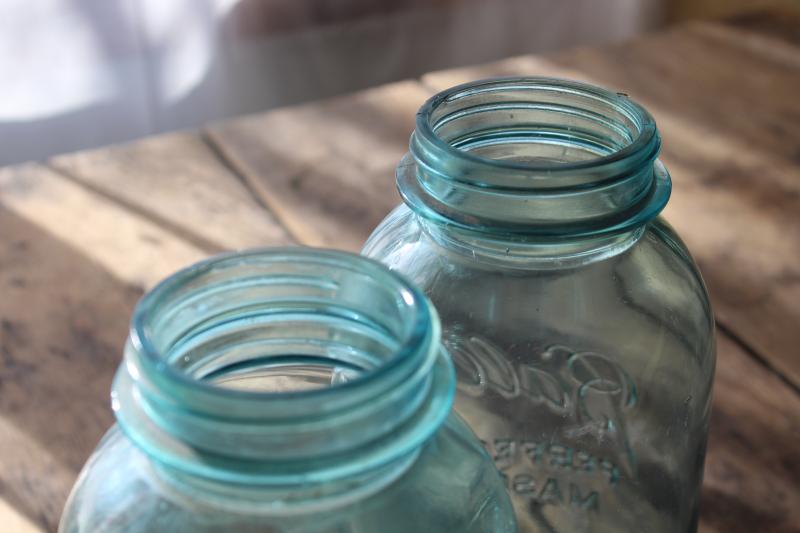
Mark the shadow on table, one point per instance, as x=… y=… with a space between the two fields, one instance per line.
x=63 y=321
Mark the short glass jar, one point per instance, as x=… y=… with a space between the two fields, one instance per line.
x=286 y=390
x=580 y=326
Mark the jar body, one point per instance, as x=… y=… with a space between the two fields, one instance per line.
x=588 y=378
x=449 y=486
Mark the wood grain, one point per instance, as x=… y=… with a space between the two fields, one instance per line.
x=736 y=194
x=326 y=169
x=179 y=182
x=774 y=24
x=752 y=471
x=129 y=246
x=72 y=266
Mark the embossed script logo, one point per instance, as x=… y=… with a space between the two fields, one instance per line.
x=590 y=390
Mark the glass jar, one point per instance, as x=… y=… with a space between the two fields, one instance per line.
x=286 y=390
x=579 y=325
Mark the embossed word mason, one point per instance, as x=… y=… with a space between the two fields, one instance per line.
x=546 y=485
x=506 y=452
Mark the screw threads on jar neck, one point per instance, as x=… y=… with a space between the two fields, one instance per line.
x=277 y=367
x=538 y=157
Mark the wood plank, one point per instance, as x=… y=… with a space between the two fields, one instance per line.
x=178 y=181
x=72 y=266
x=326 y=169
x=772 y=45
x=736 y=194
x=774 y=23
x=752 y=471
x=11 y=520
x=128 y=245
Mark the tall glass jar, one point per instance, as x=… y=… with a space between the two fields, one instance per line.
x=286 y=390
x=579 y=324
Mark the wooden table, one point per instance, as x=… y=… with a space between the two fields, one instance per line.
x=85 y=234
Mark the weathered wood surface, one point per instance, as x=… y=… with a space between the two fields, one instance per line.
x=326 y=169
x=178 y=181
x=72 y=265
x=87 y=233
x=772 y=24
x=752 y=474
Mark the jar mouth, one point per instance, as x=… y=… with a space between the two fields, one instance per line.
x=285 y=319
x=534 y=156
x=591 y=126
x=285 y=283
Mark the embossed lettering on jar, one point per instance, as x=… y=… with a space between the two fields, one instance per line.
x=286 y=391
x=579 y=324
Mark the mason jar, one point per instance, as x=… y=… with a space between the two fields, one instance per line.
x=286 y=390
x=578 y=322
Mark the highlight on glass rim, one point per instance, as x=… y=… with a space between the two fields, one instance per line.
x=315 y=266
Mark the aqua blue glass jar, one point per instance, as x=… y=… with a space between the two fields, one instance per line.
x=286 y=390
x=579 y=324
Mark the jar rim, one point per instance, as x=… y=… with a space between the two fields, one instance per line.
x=543 y=158
x=165 y=403
x=646 y=125
x=421 y=317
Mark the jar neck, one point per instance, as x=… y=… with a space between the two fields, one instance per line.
x=284 y=370
x=523 y=252
x=538 y=158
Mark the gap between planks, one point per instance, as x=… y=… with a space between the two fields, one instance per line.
x=251 y=184
x=218 y=151
x=192 y=238
x=724 y=329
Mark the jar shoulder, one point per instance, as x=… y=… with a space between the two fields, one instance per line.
x=658 y=259
x=120 y=490
x=652 y=287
